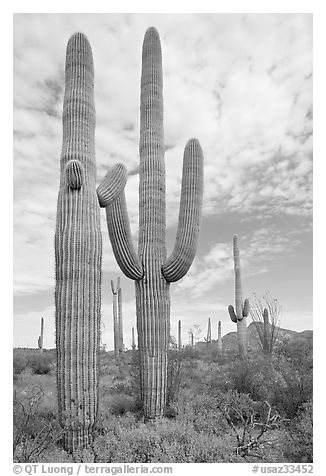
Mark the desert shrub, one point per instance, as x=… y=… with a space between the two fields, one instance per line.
x=34 y=432
x=298 y=441
x=293 y=363
x=20 y=363
x=203 y=414
x=249 y=421
x=41 y=363
x=120 y=404
x=162 y=442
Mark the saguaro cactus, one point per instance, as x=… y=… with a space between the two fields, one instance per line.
x=133 y=342
x=209 y=332
x=116 y=334
x=151 y=269
x=179 y=336
x=219 y=340
x=78 y=253
x=267 y=343
x=40 y=338
x=120 y=323
x=241 y=308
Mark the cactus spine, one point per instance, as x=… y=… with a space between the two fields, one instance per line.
x=40 y=338
x=78 y=253
x=219 y=341
x=116 y=333
x=179 y=336
x=150 y=268
x=241 y=308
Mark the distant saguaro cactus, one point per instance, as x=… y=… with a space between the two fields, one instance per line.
x=116 y=333
x=179 y=336
x=133 y=343
x=78 y=253
x=209 y=332
x=40 y=337
x=219 y=341
x=191 y=339
x=120 y=322
x=267 y=332
x=151 y=269
x=241 y=308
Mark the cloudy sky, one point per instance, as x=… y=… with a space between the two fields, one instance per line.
x=241 y=84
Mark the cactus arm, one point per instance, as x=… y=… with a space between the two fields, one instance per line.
x=232 y=313
x=112 y=185
x=74 y=174
x=246 y=308
x=112 y=197
x=112 y=287
x=185 y=247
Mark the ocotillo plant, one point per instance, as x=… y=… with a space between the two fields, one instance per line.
x=179 y=336
x=208 y=338
x=40 y=338
x=266 y=321
x=78 y=253
x=219 y=340
x=241 y=308
x=151 y=269
x=116 y=333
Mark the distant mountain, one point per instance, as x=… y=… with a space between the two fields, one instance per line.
x=230 y=342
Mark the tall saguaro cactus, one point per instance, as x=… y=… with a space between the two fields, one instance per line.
x=150 y=268
x=116 y=333
x=78 y=253
x=241 y=308
x=40 y=338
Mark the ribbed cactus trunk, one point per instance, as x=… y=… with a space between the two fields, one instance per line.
x=116 y=334
x=241 y=308
x=152 y=292
x=219 y=341
x=40 y=338
x=120 y=322
x=151 y=269
x=179 y=336
x=78 y=254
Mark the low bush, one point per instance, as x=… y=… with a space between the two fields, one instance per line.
x=298 y=441
x=41 y=363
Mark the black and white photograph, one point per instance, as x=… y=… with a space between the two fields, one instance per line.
x=162 y=240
